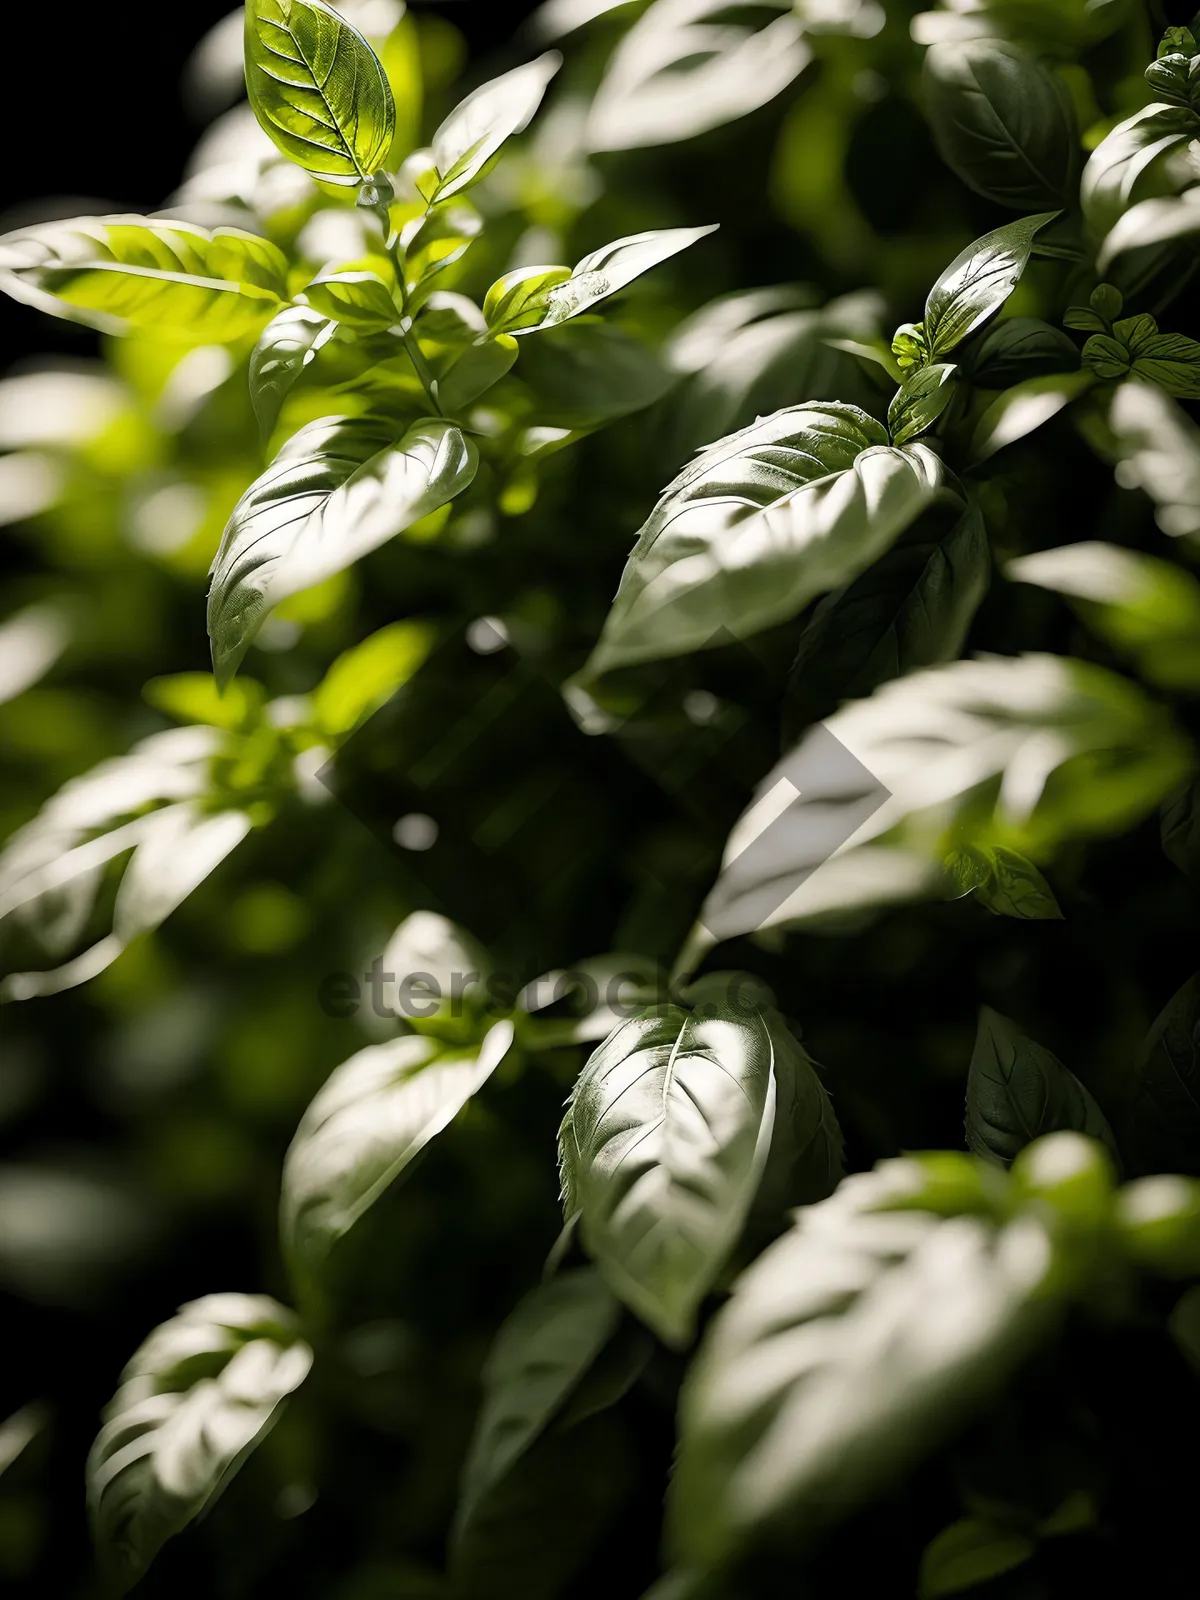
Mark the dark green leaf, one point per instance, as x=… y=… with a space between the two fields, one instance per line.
x=1004 y=122
x=911 y=609
x=194 y=1400
x=968 y=1553
x=1005 y=882
x=1163 y=1133
x=473 y=374
x=338 y=489
x=538 y=1359
x=318 y=89
x=1014 y=349
x=1017 y=1091
x=584 y=374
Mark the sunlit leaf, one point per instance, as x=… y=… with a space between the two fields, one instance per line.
x=978 y=282
x=338 y=489
x=920 y=401
x=122 y=273
x=194 y=1400
x=662 y=1148
x=785 y=1420
x=1158 y=451
x=287 y=345
x=1024 y=409
x=357 y=297
x=367 y=674
x=318 y=89
x=376 y=1113
x=759 y=524
x=478 y=126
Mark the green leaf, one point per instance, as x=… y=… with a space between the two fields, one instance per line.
x=784 y=1422
x=1133 y=163
x=760 y=523
x=970 y=1552
x=123 y=273
x=434 y=243
x=661 y=1151
x=194 y=1400
x=473 y=133
x=1147 y=608
x=376 y=1113
x=1180 y=830
x=1017 y=1090
x=338 y=489
x=537 y=1360
x=1163 y=1130
x=1158 y=450
x=1151 y=222
x=587 y=373
x=1005 y=882
x=689 y=65
x=288 y=344
x=978 y=282
x=541 y=297
x=920 y=401
x=1018 y=752
x=318 y=89
x=1015 y=349
x=746 y=355
x=1003 y=122
x=912 y=608
x=473 y=374
x=368 y=674
x=357 y=297
x=194 y=697
x=1023 y=409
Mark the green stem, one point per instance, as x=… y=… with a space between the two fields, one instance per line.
x=411 y=344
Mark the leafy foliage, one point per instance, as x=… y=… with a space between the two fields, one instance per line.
x=896 y=698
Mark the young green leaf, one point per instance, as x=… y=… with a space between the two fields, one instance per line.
x=318 y=89
x=661 y=1151
x=912 y=608
x=376 y=1113
x=1003 y=122
x=194 y=1400
x=288 y=344
x=338 y=489
x=1004 y=881
x=1135 y=348
x=369 y=673
x=1025 y=752
x=541 y=297
x=538 y=1359
x=1163 y=1129
x=783 y=1420
x=1147 y=608
x=471 y=136
x=759 y=524
x=124 y=273
x=978 y=282
x=357 y=297
x=920 y=401
x=1017 y=1090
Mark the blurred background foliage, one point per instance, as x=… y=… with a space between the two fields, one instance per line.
x=143 y=1117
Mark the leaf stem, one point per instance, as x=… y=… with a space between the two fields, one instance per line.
x=411 y=343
